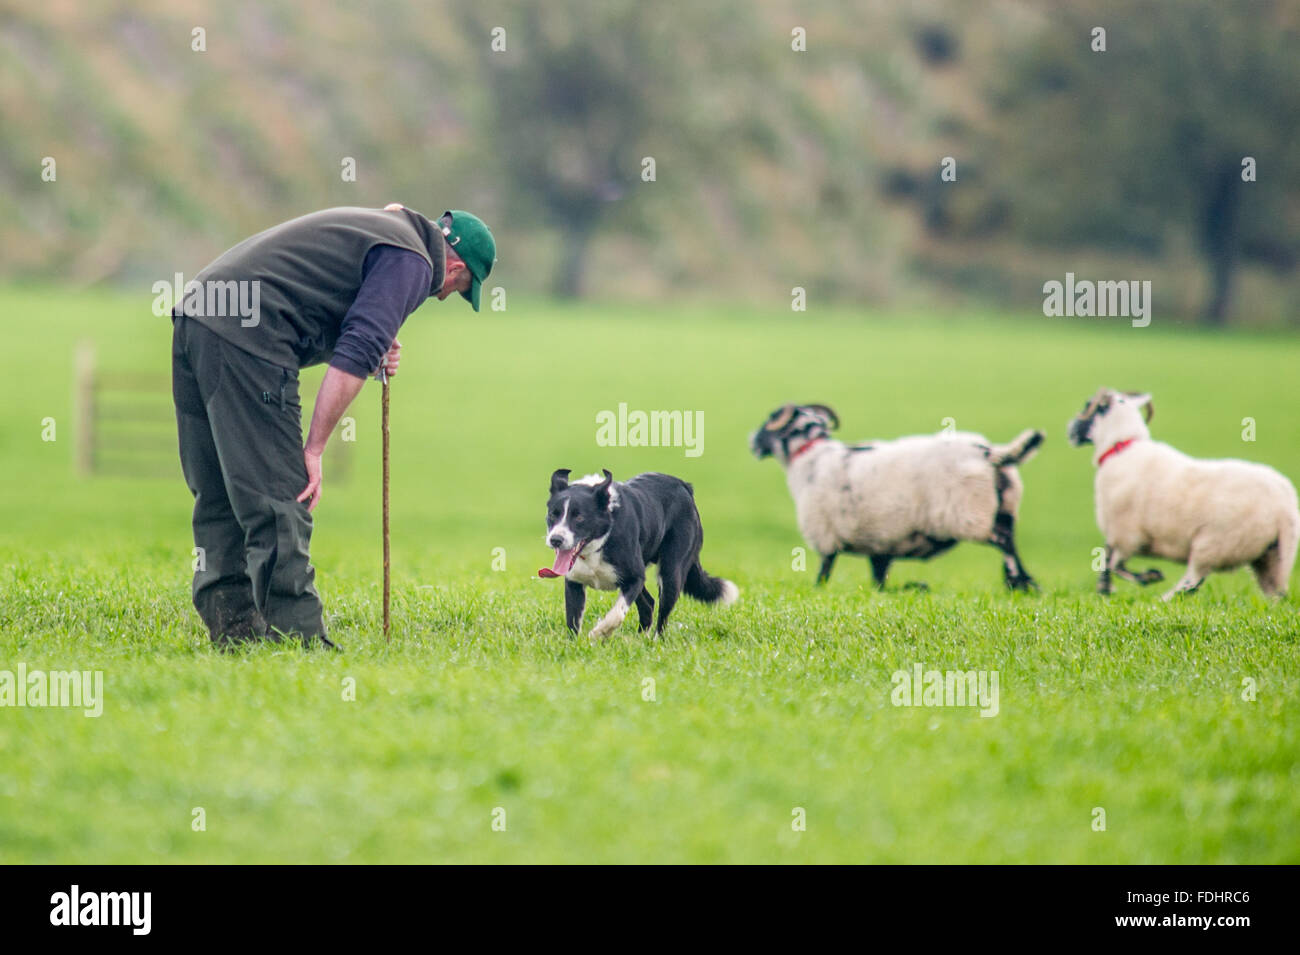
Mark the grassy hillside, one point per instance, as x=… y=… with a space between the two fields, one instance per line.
x=776 y=168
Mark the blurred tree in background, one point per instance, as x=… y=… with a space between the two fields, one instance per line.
x=574 y=102
x=612 y=115
x=1147 y=142
x=794 y=144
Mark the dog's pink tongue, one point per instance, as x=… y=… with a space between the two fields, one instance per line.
x=563 y=563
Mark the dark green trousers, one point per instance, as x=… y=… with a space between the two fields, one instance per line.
x=239 y=420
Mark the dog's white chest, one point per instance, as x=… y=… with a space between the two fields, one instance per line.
x=592 y=570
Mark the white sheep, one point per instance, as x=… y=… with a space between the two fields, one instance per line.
x=912 y=497
x=1154 y=501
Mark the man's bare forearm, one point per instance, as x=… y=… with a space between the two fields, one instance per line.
x=336 y=392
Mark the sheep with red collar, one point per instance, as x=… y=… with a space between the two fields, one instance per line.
x=913 y=497
x=1154 y=501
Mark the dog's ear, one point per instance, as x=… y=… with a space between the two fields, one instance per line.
x=832 y=419
x=560 y=480
x=779 y=418
x=602 y=489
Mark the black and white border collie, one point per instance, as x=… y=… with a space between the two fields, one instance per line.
x=606 y=532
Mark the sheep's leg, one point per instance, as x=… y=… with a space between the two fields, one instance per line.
x=1192 y=579
x=1152 y=576
x=1004 y=539
x=1273 y=567
x=880 y=568
x=1106 y=586
x=1263 y=568
x=1115 y=565
x=828 y=561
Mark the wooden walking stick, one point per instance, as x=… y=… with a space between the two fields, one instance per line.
x=383 y=377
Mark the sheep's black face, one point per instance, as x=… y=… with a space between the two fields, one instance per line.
x=790 y=427
x=1103 y=403
x=762 y=444
x=1080 y=432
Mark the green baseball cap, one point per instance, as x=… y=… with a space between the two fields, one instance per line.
x=472 y=240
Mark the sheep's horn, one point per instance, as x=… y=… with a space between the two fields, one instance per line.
x=783 y=416
x=1149 y=408
x=1094 y=403
x=830 y=413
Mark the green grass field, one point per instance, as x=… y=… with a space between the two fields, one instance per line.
x=781 y=702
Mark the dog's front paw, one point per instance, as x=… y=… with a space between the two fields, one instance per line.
x=1152 y=576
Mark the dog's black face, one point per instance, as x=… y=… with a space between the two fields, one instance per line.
x=792 y=426
x=576 y=515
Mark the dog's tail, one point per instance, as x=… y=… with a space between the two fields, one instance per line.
x=710 y=590
x=1018 y=451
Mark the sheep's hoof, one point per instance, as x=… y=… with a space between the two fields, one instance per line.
x=1151 y=576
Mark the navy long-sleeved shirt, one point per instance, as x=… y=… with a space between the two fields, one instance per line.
x=395 y=282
